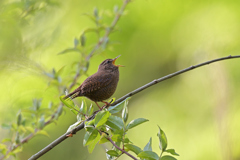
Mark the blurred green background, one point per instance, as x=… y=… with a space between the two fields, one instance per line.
x=198 y=110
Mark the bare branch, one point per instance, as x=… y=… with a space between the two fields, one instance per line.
x=170 y=76
x=81 y=126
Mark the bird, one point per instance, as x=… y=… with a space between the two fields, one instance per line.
x=101 y=85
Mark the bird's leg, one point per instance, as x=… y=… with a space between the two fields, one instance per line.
x=98 y=106
x=106 y=104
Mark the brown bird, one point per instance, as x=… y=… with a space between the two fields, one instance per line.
x=101 y=85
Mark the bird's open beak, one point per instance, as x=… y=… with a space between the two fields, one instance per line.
x=114 y=60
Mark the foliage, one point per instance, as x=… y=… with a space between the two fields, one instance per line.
x=108 y=126
x=31 y=122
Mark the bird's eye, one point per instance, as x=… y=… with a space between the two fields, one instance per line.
x=108 y=61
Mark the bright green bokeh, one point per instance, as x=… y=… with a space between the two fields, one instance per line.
x=198 y=110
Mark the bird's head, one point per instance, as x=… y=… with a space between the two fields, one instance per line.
x=109 y=64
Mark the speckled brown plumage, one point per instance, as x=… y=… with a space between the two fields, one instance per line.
x=101 y=85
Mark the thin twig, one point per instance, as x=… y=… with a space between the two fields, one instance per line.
x=108 y=138
x=28 y=137
x=109 y=29
x=60 y=139
x=81 y=126
x=14 y=147
x=74 y=80
x=170 y=76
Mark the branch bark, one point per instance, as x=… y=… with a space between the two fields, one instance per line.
x=170 y=76
x=81 y=126
x=123 y=151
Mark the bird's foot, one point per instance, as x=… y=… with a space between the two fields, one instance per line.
x=69 y=135
x=106 y=104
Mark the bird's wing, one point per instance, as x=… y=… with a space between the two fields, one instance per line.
x=92 y=83
x=95 y=82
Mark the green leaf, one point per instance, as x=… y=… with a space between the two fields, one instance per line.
x=3 y=149
x=50 y=104
x=76 y=42
x=135 y=123
x=112 y=153
x=37 y=102
x=17 y=150
x=83 y=108
x=30 y=129
x=59 y=110
x=95 y=12
x=148 y=146
x=149 y=155
x=19 y=118
x=14 y=126
x=133 y=148
x=73 y=126
x=115 y=123
x=126 y=140
x=90 y=16
x=109 y=157
x=6 y=140
x=69 y=104
x=22 y=129
x=80 y=117
x=167 y=158
x=83 y=39
x=89 y=128
x=42 y=132
x=172 y=151
x=93 y=144
x=41 y=122
x=101 y=118
x=17 y=138
x=59 y=72
x=118 y=107
x=162 y=139
x=6 y=126
x=49 y=75
x=125 y=112
x=69 y=50
x=90 y=110
x=89 y=137
x=103 y=140
x=116 y=138
x=3 y=146
x=90 y=123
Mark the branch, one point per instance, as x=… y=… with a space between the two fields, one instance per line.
x=81 y=126
x=108 y=138
x=108 y=30
x=60 y=139
x=170 y=76
x=102 y=40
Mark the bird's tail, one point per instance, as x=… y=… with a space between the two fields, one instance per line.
x=72 y=95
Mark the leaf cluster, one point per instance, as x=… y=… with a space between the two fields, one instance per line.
x=109 y=126
x=29 y=122
x=101 y=31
